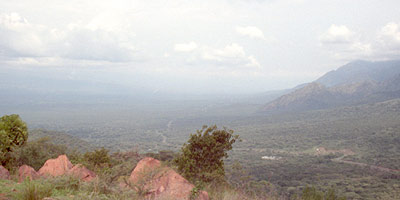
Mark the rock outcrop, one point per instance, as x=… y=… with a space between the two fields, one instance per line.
x=26 y=171
x=62 y=166
x=4 y=173
x=56 y=167
x=161 y=182
x=81 y=172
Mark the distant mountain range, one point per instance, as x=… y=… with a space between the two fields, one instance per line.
x=355 y=83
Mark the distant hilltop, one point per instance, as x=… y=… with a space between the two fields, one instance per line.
x=355 y=83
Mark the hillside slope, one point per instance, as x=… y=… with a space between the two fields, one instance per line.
x=61 y=138
x=359 y=71
x=353 y=84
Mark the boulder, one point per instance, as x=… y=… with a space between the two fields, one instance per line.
x=4 y=173
x=81 y=172
x=56 y=167
x=146 y=164
x=26 y=171
x=62 y=166
x=161 y=182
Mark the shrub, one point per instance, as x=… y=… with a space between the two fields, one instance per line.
x=13 y=133
x=65 y=183
x=36 y=153
x=98 y=158
x=34 y=190
x=311 y=193
x=202 y=157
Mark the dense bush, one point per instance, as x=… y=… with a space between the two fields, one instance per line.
x=99 y=158
x=202 y=156
x=13 y=133
x=311 y=193
x=36 y=153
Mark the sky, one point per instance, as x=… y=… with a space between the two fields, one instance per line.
x=197 y=46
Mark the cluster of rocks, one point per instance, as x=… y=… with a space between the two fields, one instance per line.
x=51 y=168
x=150 y=177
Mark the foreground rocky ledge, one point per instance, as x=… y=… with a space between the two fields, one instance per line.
x=161 y=182
x=150 y=178
x=53 y=167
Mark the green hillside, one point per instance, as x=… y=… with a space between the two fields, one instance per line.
x=61 y=138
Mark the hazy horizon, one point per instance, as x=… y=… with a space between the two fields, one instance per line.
x=201 y=47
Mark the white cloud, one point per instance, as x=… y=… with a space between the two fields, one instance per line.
x=361 y=47
x=231 y=51
x=20 y=38
x=250 y=31
x=232 y=54
x=391 y=31
x=116 y=34
x=345 y=44
x=337 y=34
x=389 y=38
x=387 y=45
x=82 y=43
x=253 y=62
x=185 y=47
x=382 y=46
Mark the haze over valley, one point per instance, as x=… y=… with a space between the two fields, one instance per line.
x=311 y=88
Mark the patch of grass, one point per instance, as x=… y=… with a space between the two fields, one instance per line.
x=33 y=190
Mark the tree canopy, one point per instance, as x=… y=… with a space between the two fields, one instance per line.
x=13 y=132
x=202 y=156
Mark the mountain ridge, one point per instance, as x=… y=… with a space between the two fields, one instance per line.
x=355 y=83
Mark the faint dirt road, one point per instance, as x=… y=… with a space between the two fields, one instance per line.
x=161 y=133
x=379 y=168
x=164 y=138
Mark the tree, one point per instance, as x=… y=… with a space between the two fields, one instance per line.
x=202 y=156
x=13 y=133
x=98 y=158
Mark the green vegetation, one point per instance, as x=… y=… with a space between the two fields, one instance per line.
x=35 y=153
x=112 y=170
x=63 y=188
x=370 y=131
x=66 y=188
x=61 y=138
x=202 y=156
x=310 y=193
x=33 y=191
x=13 y=133
x=98 y=158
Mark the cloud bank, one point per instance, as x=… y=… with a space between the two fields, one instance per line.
x=249 y=45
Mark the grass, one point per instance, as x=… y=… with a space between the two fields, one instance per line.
x=62 y=188
x=34 y=191
x=69 y=188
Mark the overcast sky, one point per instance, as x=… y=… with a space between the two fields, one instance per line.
x=231 y=46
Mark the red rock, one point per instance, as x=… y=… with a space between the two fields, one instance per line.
x=3 y=196
x=161 y=182
x=146 y=164
x=26 y=171
x=4 y=173
x=56 y=167
x=81 y=172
